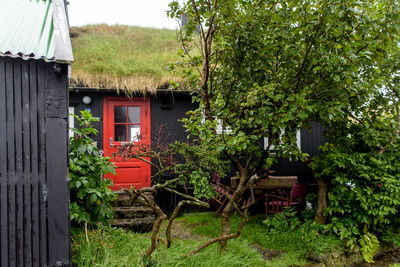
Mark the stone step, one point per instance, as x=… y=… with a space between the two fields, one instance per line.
x=138 y=224
x=133 y=212
x=124 y=200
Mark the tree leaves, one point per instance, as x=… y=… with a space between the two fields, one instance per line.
x=90 y=195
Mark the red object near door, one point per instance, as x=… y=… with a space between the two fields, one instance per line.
x=124 y=120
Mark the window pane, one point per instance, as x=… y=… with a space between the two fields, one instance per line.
x=119 y=114
x=134 y=114
x=120 y=132
x=134 y=133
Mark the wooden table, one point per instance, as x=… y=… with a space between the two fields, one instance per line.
x=272 y=182
x=279 y=185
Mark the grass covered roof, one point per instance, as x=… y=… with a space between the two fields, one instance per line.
x=122 y=57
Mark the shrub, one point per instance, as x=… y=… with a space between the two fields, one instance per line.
x=363 y=169
x=90 y=195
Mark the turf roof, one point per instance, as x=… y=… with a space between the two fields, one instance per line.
x=122 y=57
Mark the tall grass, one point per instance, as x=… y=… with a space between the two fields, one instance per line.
x=110 y=247
x=116 y=247
x=294 y=244
x=122 y=56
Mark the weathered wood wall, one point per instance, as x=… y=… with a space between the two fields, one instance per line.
x=34 y=221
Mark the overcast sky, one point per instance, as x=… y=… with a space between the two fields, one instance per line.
x=147 y=13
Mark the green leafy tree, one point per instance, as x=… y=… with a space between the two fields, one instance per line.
x=175 y=166
x=362 y=170
x=266 y=68
x=90 y=196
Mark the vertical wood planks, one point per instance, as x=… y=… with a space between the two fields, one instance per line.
x=42 y=183
x=33 y=113
x=11 y=214
x=18 y=161
x=34 y=222
x=3 y=169
x=57 y=176
x=26 y=167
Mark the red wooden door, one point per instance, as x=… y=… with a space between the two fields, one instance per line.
x=124 y=120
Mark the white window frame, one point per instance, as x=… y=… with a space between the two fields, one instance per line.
x=298 y=141
x=220 y=129
x=71 y=121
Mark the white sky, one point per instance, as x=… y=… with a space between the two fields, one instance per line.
x=147 y=13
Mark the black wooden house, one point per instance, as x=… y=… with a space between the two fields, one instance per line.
x=35 y=53
x=147 y=108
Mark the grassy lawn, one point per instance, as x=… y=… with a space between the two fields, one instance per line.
x=256 y=247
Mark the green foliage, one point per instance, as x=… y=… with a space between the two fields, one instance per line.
x=294 y=244
x=115 y=55
x=283 y=222
x=111 y=247
x=288 y=221
x=116 y=247
x=90 y=196
x=200 y=162
x=267 y=68
x=363 y=171
x=369 y=246
x=280 y=64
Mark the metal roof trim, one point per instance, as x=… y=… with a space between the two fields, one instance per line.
x=63 y=48
x=26 y=57
x=35 y=29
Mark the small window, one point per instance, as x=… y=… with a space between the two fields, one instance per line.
x=126 y=124
x=71 y=121
x=272 y=147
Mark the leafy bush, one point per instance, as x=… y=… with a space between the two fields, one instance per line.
x=283 y=222
x=363 y=169
x=89 y=192
x=289 y=221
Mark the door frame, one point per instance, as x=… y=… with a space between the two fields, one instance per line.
x=146 y=124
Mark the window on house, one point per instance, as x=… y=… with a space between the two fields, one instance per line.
x=221 y=128
x=272 y=147
x=71 y=121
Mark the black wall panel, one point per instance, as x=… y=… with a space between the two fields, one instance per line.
x=167 y=108
x=34 y=229
x=311 y=139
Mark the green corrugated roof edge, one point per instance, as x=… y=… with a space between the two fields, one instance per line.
x=35 y=29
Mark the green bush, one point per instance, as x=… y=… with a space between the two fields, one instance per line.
x=90 y=195
x=362 y=168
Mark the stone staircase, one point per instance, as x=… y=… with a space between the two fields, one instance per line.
x=132 y=215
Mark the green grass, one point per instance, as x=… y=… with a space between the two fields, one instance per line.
x=122 y=56
x=116 y=247
x=294 y=244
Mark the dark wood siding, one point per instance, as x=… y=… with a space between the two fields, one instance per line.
x=95 y=107
x=34 y=229
x=311 y=139
x=166 y=109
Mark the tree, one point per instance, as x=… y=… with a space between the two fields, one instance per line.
x=90 y=195
x=362 y=169
x=266 y=68
x=179 y=161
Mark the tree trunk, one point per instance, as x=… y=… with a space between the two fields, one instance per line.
x=225 y=224
x=322 y=201
x=230 y=208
